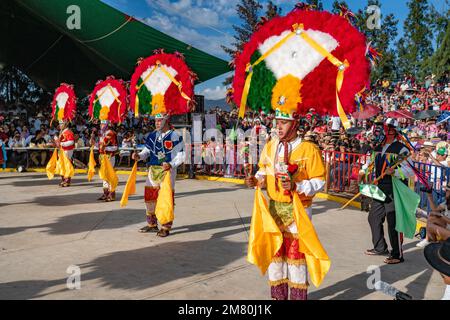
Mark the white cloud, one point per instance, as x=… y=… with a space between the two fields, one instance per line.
x=171 y=26
x=214 y=94
x=199 y=13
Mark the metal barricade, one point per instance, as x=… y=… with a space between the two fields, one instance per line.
x=342 y=171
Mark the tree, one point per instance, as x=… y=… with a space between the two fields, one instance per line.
x=380 y=39
x=248 y=12
x=337 y=6
x=272 y=10
x=440 y=21
x=416 y=46
x=440 y=61
x=317 y=3
x=15 y=86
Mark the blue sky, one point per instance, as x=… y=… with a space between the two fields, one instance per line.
x=206 y=24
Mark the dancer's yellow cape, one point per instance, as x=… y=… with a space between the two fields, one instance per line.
x=265 y=239
x=59 y=164
x=107 y=172
x=164 y=204
x=91 y=165
x=51 y=165
x=130 y=187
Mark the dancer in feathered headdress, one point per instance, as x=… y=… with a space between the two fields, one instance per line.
x=63 y=110
x=108 y=104
x=291 y=64
x=161 y=86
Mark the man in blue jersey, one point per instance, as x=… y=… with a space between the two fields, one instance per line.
x=163 y=152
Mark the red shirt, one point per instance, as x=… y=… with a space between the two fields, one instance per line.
x=445 y=106
x=67 y=140
x=108 y=143
x=4 y=136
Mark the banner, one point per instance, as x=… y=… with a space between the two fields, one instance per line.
x=210 y=121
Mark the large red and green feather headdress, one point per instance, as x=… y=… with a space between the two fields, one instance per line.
x=108 y=101
x=64 y=103
x=162 y=84
x=305 y=59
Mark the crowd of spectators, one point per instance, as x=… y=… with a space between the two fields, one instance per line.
x=29 y=126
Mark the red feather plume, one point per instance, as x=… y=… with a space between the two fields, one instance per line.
x=319 y=87
x=71 y=104
x=174 y=102
x=116 y=114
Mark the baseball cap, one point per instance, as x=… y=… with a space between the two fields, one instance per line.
x=442 y=151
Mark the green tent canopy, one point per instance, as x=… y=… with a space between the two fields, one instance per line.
x=35 y=38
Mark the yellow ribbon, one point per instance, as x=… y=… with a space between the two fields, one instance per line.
x=91 y=165
x=130 y=187
x=136 y=106
x=176 y=82
x=245 y=92
x=340 y=109
x=298 y=29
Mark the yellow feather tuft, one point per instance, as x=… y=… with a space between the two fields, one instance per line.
x=286 y=94
x=158 y=104
x=104 y=113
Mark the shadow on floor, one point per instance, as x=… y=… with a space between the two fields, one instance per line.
x=84 y=222
x=355 y=287
x=143 y=268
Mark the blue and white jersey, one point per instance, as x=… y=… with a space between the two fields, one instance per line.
x=163 y=147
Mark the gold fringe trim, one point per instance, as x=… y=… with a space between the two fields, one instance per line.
x=296 y=262
x=278 y=259
x=292 y=262
x=303 y=286
x=150 y=214
x=278 y=282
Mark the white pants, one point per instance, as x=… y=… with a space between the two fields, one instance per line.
x=112 y=160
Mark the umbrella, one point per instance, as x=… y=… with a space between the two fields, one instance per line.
x=398 y=114
x=426 y=114
x=355 y=130
x=444 y=117
x=368 y=112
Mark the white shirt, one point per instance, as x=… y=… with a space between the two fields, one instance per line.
x=336 y=123
x=37 y=124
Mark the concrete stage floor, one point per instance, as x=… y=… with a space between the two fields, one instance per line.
x=44 y=229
